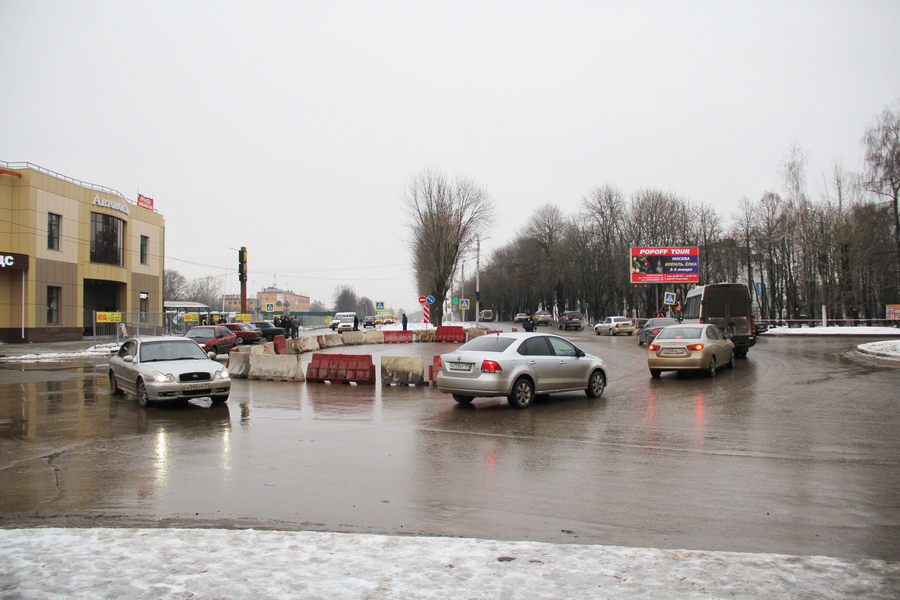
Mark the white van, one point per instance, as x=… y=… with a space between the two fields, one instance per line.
x=728 y=307
x=336 y=319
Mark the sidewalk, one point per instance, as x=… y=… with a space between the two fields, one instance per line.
x=217 y=563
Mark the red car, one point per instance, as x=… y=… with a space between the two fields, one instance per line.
x=217 y=338
x=246 y=334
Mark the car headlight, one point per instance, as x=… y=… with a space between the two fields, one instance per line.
x=160 y=377
x=223 y=374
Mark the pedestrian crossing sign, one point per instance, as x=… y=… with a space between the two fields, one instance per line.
x=464 y=304
x=379 y=305
x=669 y=298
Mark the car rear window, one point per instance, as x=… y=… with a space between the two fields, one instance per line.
x=488 y=343
x=680 y=333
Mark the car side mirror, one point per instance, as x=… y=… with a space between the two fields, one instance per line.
x=579 y=352
x=728 y=336
x=128 y=358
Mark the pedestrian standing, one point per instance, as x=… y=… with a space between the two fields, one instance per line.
x=404 y=321
x=295 y=327
x=355 y=322
x=528 y=324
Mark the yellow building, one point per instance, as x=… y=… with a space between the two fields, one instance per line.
x=69 y=248
x=281 y=302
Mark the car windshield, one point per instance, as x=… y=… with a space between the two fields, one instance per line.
x=680 y=333
x=200 y=333
x=171 y=350
x=487 y=343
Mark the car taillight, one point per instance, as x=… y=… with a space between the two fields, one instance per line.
x=655 y=331
x=653 y=347
x=490 y=366
x=694 y=347
x=440 y=362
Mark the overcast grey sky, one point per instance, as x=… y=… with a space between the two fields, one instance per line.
x=292 y=128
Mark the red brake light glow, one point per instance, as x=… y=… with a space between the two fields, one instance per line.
x=490 y=366
x=695 y=347
x=653 y=347
x=440 y=362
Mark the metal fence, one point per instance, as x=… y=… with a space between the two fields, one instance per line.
x=128 y=324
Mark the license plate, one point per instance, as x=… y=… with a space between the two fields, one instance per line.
x=457 y=366
x=672 y=351
x=190 y=387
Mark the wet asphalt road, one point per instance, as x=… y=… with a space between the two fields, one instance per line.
x=796 y=450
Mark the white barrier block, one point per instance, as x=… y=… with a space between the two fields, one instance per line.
x=353 y=338
x=269 y=348
x=239 y=364
x=281 y=367
x=374 y=337
x=309 y=344
x=402 y=370
x=332 y=340
x=474 y=333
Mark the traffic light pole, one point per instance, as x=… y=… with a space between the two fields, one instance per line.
x=242 y=275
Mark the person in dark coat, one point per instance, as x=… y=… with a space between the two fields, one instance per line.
x=355 y=322
x=404 y=321
x=528 y=324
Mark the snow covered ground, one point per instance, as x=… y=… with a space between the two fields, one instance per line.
x=216 y=563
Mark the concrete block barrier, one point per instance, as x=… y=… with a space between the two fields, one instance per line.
x=433 y=368
x=374 y=337
x=278 y=367
x=471 y=334
x=402 y=370
x=280 y=344
x=424 y=335
x=397 y=337
x=330 y=340
x=309 y=344
x=239 y=364
x=353 y=338
x=269 y=348
x=256 y=349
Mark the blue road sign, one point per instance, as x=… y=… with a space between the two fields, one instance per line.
x=430 y=299
x=669 y=298
x=379 y=306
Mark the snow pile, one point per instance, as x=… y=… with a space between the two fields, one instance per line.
x=215 y=563
x=97 y=350
x=889 y=349
x=833 y=330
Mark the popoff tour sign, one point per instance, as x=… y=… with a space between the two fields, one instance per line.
x=665 y=265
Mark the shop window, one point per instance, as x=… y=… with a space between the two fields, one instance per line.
x=143 y=301
x=53 y=304
x=53 y=223
x=107 y=239
x=145 y=250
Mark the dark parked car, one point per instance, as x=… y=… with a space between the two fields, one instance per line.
x=246 y=333
x=368 y=321
x=267 y=329
x=571 y=320
x=215 y=338
x=651 y=329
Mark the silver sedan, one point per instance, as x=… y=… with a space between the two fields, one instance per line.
x=167 y=369
x=519 y=366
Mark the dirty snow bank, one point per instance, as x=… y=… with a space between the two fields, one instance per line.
x=215 y=563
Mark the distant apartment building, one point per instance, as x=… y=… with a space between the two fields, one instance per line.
x=272 y=300
x=232 y=303
x=69 y=248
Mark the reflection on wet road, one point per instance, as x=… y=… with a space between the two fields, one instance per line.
x=794 y=451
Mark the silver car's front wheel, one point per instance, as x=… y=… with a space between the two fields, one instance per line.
x=143 y=397
x=522 y=394
x=596 y=385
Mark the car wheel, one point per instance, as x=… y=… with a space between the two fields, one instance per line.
x=215 y=350
x=712 y=366
x=630 y=333
x=730 y=363
x=597 y=331
x=655 y=373
x=640 y=341
x=219 y=399
x=113 y=386
x=522 y=394
x=142 y=397
x=596 y=385
x=463 y=399
x=270 y=338
x=612 y=332
x=239 y=341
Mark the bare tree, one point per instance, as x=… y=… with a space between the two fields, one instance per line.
x=882 y=141
x=207 y=290
x=345 y=299
x=444 y=219
x=174 y=284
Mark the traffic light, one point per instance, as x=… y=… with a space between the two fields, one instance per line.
x=242 y=264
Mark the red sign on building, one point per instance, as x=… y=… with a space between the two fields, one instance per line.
x=145 y=202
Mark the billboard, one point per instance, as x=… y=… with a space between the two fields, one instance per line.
x=665 y=265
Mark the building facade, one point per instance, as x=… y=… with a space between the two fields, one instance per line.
x=69 y=248
x=281 y=302
x=232 y=303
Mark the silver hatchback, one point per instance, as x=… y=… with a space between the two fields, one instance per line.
x=519 y=366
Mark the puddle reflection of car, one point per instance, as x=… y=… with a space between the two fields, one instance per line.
x=690 y=347
x=167 y=369
x=519 y=366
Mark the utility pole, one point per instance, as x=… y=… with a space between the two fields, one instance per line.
x=477 y=282
x=242 y=276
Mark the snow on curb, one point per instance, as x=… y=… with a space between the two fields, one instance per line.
x=889 y=349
